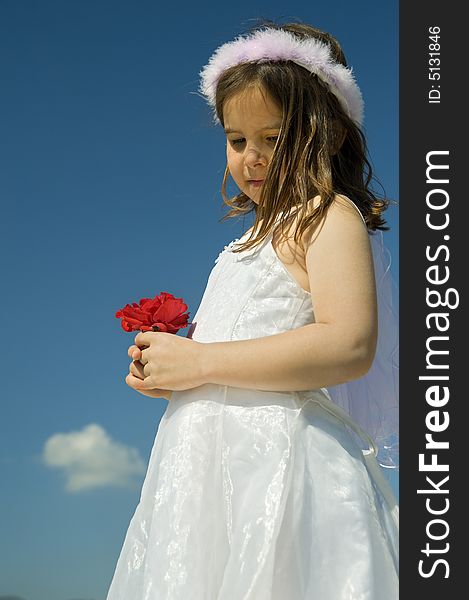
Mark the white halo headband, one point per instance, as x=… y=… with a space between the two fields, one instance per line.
x=276 y=44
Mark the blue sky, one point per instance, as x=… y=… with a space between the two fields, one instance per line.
x=110 y=171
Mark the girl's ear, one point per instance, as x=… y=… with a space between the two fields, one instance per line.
x=339 y=135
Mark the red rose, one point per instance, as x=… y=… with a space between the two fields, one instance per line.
x=161 y=313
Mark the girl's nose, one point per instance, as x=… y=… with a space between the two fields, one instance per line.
x=255 y=158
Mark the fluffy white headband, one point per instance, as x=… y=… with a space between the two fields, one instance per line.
x=276 y=44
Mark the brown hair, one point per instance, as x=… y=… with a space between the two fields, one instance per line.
x=320 y=150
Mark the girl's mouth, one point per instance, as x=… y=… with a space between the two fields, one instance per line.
x=256 y=182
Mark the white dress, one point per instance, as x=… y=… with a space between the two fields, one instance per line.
x=258 y=495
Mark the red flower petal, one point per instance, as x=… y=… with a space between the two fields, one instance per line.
x=164 y=312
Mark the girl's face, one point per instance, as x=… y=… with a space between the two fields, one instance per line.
x=252 y=124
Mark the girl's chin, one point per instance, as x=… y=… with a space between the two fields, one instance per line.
x=253 y=194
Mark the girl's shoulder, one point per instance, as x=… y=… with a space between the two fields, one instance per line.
x=340 y=229
x=340 y=202
x=349 y=206
x=293 y=254
x=342 y=209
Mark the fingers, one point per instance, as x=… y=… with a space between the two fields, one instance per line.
x=136 y=369
x=143 y=338
x=135 y=382
x=143 y=356
x=134 y=352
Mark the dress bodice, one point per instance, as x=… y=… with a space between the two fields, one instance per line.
x=250 y=294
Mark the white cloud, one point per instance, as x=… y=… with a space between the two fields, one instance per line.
x=90 y=458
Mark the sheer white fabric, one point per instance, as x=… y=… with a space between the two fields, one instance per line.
x=373 y=400
x=255 y=495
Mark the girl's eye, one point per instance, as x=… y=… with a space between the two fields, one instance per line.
x=236 y=142
x=271 y=139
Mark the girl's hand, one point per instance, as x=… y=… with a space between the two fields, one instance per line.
x=136 y=370
x=170 y=362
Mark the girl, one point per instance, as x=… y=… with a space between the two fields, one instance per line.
x=263 y=482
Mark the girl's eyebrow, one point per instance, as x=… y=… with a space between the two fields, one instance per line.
x=275 y=126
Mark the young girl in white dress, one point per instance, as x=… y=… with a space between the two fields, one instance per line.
x=264 y=480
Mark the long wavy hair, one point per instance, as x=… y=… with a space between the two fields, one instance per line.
x=320 y=151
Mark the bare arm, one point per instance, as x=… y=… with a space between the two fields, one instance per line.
x=340 y=345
